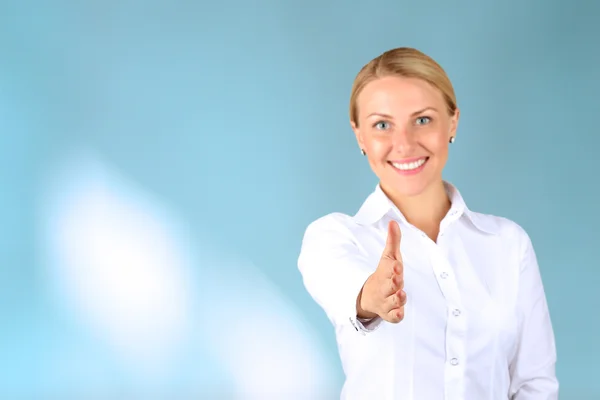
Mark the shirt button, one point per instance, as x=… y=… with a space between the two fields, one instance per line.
x=454 y=361
x=444 y=275
x=456 y=312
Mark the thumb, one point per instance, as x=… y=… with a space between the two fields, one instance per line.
x=392 y=246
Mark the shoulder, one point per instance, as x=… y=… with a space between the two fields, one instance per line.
x=333 y=224
x=505 y=229
x=335 y=233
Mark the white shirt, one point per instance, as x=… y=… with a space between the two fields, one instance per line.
x=476 y=323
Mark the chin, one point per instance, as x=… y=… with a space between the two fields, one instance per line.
x=406 y=186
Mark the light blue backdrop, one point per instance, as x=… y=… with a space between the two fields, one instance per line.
x=159 y=162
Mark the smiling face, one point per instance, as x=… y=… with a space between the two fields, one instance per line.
x=404 y=126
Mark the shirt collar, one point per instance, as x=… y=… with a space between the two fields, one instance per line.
x=378 y=205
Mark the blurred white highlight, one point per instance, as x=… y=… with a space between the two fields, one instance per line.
x=265 y=342
x=125 y=264
x=117 y=260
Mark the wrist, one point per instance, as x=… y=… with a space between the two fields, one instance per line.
x=361 y=312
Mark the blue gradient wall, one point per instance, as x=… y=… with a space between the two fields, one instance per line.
x=159 y=162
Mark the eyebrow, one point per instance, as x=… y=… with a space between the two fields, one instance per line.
x=412 y=115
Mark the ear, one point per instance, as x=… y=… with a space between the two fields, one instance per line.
x=454 y=123
x=359 y=138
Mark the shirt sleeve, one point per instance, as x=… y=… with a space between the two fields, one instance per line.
x=532 y=369
x=334 y=271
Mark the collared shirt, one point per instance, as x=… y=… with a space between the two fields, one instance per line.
x=476 y=323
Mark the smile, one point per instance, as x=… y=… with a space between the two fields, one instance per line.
x=410 y=167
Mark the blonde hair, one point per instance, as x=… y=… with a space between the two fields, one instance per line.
x=406 y=62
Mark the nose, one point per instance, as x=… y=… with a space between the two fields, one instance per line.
x=403 y=140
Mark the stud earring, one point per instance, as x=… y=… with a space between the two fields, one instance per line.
x=451 y=139
x=364 y=153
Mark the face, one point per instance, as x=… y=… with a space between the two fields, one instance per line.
x=404 y=127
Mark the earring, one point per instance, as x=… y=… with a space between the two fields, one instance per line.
x=364 y=153
x=451 y=139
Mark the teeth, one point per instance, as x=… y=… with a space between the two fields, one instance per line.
x=411 y=165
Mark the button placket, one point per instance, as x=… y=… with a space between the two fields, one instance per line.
x=456 y=327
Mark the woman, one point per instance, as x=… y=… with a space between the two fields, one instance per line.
x=429 y=299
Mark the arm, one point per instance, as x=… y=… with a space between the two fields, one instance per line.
x=334 y=270
x=532 y=369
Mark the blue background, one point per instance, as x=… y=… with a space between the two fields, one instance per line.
x=224 y=127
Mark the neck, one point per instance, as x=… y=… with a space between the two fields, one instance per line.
x=424 y=211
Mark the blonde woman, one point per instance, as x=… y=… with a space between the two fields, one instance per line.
x=429 y=299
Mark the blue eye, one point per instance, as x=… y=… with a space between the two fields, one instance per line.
x=382 y=125
x=423 y=120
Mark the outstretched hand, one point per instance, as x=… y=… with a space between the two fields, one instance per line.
x=382 y=294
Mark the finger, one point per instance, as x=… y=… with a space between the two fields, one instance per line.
x=392 y=245
x=391 y=268
x=396 y=315
x=397 y=268
x=392 y=285
x=396 y=300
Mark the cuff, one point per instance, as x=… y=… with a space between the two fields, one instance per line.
x=366 y=325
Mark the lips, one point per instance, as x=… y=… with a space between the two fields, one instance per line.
x=409 y=165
